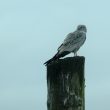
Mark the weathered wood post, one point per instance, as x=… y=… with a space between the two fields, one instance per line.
x=66 y=83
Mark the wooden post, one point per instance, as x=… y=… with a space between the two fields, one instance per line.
x=66 y=83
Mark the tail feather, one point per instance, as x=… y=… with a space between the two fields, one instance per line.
x=49 y=61
x=57 y=56
x=52 y=59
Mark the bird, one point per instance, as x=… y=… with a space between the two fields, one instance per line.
x=71 y=44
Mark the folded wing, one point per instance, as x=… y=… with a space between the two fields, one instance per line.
x=72 y=42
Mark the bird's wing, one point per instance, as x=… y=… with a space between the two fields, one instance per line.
x=66 y=41
x=72 y=40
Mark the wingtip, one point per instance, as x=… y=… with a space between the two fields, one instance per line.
x=47 y=62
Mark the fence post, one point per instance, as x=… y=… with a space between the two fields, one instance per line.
x=66 y=84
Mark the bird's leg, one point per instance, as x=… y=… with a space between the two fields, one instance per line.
x=75 y=54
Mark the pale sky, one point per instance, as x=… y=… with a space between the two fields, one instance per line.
x=30 y=33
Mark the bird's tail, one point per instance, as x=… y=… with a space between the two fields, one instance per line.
x=56 y=56
x=52 y=59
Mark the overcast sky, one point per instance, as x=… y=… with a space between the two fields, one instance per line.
x=30 y=33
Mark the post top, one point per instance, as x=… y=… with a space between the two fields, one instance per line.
x=68 y=60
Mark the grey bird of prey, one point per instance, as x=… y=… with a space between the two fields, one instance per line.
x=71 y=43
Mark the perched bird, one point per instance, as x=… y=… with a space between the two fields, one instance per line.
x=71 y=43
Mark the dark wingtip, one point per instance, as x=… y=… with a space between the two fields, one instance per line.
x=45 y=64
x=52 y=59
x=48 y=62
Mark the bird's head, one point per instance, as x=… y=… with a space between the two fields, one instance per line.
x=82 y=28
